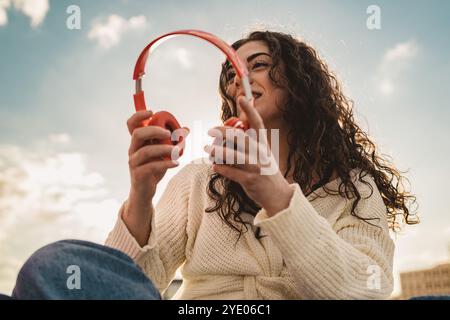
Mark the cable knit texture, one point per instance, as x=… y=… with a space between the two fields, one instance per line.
x=313 y=249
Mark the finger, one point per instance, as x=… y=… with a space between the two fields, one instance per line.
x=219 y=154
x=155 y=166
x=237 y=139
x=253 y=117
x=231 y=137
x=225 y=131
x=136 y=119
x=229 y=156
x=143 y=135
x=232 y=173
x=149 y=153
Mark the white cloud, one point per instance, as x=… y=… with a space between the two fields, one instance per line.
x=4 y=5
x=62 y=138
x=386 y=86
x=137 y=22
x=401 y=52
x=36 y=10
x=394 y=62
x=108 y=33
x=47 y=196
x=182 y=56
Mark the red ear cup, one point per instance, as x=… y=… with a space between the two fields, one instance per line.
x=237 y=123
x=167 y=121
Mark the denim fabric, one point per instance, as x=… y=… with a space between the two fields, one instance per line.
x=73 y=269
x=434 y=297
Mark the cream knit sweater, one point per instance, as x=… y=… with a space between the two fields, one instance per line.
x=314 y=249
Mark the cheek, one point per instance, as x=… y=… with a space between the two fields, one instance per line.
x=231 y=90
x=267 y=108
x=277 y=98
x=270 y=108
x=281 y=97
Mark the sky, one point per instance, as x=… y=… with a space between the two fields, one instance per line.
x=65 y=96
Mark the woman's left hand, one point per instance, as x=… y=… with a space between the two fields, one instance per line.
x=259 y=174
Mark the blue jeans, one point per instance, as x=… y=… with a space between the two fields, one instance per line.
x=73 y=269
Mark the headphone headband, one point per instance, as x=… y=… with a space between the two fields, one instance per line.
x=236 y=62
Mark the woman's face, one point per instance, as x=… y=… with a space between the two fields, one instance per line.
x=268 y=97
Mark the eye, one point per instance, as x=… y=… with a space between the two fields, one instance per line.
x=257 y=65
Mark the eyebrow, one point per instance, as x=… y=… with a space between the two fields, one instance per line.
x=253 y=56
x=249 y=58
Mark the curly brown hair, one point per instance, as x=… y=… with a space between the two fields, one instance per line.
x=323 y=138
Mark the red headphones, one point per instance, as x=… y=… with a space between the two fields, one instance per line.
x=165 y=119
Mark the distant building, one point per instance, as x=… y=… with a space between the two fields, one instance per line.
x=427 y=282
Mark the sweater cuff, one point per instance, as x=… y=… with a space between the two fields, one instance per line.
x=296 y=225
x=121 y=239
x=263 y=216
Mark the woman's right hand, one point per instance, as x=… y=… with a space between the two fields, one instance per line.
x=147 y=168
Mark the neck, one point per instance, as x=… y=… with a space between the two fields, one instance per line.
x=283 y=151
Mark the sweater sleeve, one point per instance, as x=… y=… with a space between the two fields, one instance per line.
x=165 y=250
x=351 y=260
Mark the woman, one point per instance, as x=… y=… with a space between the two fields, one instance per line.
x=316 y=228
